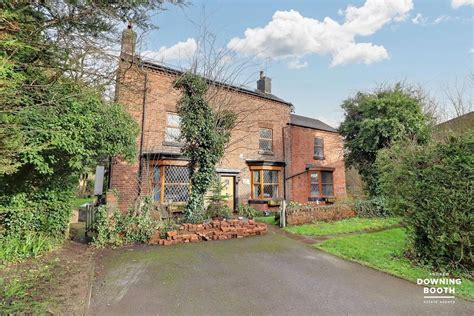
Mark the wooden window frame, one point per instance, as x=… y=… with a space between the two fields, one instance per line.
x=162 y=166
x=263 y=151
x=320 y=184
x=318 y=146
x=260 y=169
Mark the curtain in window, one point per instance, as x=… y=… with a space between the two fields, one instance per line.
x=326 y=183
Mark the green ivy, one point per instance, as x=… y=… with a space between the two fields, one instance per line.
x=205 y=134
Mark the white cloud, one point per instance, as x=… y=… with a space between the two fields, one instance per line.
x=419 y=19
x=297 y=64
x=179 y=51
x=424 y=21
x=291 y=36
x=471 y=51
x=441 y=18
x=459 y=3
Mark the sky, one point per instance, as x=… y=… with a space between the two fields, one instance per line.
x=320 y=52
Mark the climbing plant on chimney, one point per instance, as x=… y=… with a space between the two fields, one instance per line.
x=205 y=134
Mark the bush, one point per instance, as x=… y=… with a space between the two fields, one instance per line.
x=47 y=212
x=375 y=207
x=218 y=202
x=432 y=187
x=247 y=211
x=114 y=229
x=107 y=227
x=218 y=210
x=138 y=224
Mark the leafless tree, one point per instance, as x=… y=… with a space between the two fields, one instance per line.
x=459 y=96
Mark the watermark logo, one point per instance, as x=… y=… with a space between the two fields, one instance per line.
x=439 y=288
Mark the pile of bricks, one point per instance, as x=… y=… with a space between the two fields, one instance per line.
x=214 y=230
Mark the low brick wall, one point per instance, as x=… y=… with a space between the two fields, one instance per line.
x=215 y=230
x=306 y=214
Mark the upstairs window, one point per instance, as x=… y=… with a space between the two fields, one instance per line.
x=266 y=141
x=172 y=130
x=319 y=148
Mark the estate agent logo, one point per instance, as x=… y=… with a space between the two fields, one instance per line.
x=439 y=288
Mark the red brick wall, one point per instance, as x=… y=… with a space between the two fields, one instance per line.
x=253 y=113
x=301 y=148
x=306 y=215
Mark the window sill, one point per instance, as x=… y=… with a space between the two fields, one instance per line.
x=265 y=201
x=264 y=152
x=173 y=144
x=318 y=158
x=321 y=198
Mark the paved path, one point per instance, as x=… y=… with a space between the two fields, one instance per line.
x=269 y=275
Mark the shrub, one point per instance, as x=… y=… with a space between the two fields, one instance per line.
x=45 y=212
x=217 y=210
x=107 y=227
x=247 y=211
x=137 y=225
x=218 y=202
x=374 y=207
x=114 y=229
x=432 y=187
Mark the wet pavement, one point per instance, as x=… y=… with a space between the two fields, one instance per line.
x=269 y=275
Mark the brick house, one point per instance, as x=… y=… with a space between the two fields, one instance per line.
x=270 y=156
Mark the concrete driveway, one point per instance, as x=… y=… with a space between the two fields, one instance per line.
x=269 y=275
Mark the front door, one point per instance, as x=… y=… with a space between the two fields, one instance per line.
x=228 y=190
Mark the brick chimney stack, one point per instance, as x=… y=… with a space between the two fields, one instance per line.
x=264 y=84
x=129 y=38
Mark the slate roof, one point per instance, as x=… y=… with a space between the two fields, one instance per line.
x=255 y=92
x=303 y=121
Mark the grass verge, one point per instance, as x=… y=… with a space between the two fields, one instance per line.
x=21 y=294
x=349 y=225
x=77 y=202
x=384 y=251
x=270 y=220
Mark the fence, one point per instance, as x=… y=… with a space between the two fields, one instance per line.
x=90 y=218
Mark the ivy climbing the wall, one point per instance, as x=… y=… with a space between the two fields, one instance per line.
x=204 y=133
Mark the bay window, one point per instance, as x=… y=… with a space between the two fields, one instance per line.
x=265 y=184
x=321 y=184
x=171 y=183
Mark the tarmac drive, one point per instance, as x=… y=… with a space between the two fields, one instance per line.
x=268 y=275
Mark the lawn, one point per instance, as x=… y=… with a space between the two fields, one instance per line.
x=270 y=220
x=383 y=251
x=344 y=226
x=77 y=202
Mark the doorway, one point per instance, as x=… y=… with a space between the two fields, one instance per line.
x=228 y=189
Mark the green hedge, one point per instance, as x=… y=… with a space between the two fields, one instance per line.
x=374 y=207
x=432 y=187
x=46 y=212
